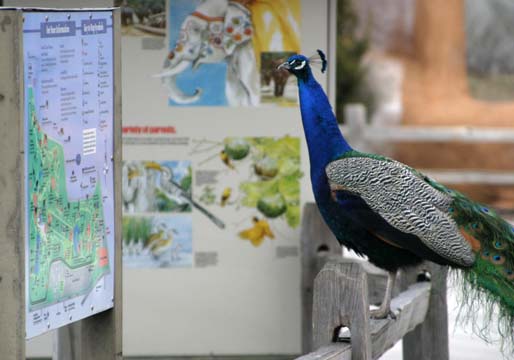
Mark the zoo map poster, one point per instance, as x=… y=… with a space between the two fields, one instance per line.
x=68 y=84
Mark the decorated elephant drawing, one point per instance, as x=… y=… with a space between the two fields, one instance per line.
x=229 y=33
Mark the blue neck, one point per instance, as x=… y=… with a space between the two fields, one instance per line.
x=324 y=139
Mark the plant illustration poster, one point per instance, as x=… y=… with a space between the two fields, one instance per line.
x=253 y=183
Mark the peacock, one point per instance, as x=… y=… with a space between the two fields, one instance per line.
x=397 y=216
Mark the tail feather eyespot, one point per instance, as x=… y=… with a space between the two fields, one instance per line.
x=509 y=274
x=497 y=259
x=500 y=245
x=476 y=227
x=485 y=254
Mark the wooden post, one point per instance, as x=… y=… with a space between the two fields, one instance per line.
x=429 y=340
x=341 y=299
x=317 y=244
x=99 y=337
x=12 y=190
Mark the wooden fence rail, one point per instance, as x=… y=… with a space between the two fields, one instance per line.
x=340 y=326
x=381 y=139
x=341 y=301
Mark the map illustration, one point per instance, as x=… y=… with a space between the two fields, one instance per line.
x=68 y=249
x=69 y=170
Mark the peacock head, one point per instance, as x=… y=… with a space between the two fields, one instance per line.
x=299 y=65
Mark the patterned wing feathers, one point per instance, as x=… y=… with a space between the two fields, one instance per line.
x=406 y=202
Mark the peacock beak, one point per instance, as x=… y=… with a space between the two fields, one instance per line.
x=284 y=66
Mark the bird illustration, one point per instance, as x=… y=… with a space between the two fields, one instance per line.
x=159 y=242
x=257 y=232
x=225 y=195
x=397 y=216
x=226 y=159
x=173 y=190
x=133 y=173
x=153 y=165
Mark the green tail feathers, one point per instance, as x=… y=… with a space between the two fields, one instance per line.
x=489 y=283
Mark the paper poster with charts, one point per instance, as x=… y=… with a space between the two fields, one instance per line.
x=225 y=53
x=69 y=219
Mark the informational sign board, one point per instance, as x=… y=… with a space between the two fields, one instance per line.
x=68 y=85
x=212 y=191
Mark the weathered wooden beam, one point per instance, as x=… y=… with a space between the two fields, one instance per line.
x=438 y=133
x=340 y=351
x=429 y=340
x=318 y=244
x=340 y=299
x=471 y=176
x=411 y=308
x=377 y=281
x=116 y=315
x=92 y=338
x=12 y=189
x=386 y=139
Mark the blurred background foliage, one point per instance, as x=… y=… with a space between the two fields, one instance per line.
x=350 y=75
x=490 y=49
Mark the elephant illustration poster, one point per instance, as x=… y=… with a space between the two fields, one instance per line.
x=151 y=186
x=157 y=241
x=216 y=48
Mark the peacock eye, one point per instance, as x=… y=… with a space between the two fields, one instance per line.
x=497 y=259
